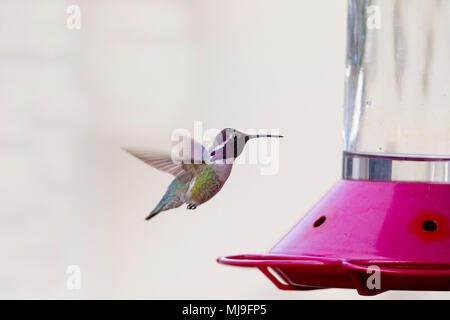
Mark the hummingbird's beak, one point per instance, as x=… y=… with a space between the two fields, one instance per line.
x=253 y=136
x=264 y=136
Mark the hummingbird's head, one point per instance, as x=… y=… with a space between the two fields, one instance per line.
x=230 y=143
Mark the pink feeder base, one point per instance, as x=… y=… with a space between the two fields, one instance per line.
x=401 y=228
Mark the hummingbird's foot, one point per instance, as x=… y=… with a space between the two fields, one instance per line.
x=192 y=206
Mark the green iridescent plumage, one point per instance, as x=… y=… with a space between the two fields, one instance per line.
x=206 y=185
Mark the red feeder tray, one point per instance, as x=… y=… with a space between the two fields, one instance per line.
x=398 y=229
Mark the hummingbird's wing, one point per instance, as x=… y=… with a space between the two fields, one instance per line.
x=157 y=160
x=183 y=170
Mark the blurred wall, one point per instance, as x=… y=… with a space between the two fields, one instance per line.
x=133 y=73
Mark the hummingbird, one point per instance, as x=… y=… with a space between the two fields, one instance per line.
x=202 y=172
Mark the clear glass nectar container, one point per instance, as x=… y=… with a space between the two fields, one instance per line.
x=397 y=96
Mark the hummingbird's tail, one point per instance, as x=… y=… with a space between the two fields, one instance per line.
x=170 y=199
x=163 y=207
x=158 y=209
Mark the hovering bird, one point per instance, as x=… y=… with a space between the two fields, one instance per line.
x=199 y=177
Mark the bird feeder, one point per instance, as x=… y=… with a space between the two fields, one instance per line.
x=389 y=216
